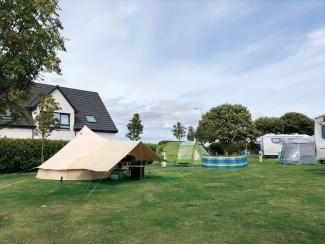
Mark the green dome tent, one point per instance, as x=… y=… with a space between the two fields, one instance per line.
x=181 y=153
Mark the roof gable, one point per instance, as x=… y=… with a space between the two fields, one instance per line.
x=89 y=103
x=50 y=90
x=85 y=103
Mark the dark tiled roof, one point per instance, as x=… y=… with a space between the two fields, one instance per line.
x=85 y=103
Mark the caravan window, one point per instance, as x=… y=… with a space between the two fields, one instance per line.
x=323 y=131
x=276 y=140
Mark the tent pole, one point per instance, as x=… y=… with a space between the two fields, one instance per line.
x=142 y=176
x=299 y=152
x=193 y=150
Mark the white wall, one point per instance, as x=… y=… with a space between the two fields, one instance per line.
x=110 y=136
x=28 y=133
x=61 y=134
x=16 y=132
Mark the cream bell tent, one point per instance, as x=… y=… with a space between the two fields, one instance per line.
x=89 y=156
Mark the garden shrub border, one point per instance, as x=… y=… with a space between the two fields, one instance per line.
x=18 y=155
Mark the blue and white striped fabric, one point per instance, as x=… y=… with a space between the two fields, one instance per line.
x=224 y=162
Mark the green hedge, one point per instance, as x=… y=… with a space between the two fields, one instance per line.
x=18 y=155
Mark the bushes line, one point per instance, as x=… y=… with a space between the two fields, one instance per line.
x=18 y=155
x=22 y=154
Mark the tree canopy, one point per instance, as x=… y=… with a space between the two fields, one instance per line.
x=29 y=41
x=179 y=131
x=135 y=128
x=227 y=124
x=267 y=125
x=190 y=133
x=297 y=123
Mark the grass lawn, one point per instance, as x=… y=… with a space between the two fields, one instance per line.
x=264 y=203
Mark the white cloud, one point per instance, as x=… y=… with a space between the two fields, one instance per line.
x=156 y=116
x=315 y=42
x=162 y=59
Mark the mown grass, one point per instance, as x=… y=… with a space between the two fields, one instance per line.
x=264 y=203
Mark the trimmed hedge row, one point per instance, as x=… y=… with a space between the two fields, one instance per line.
x=17 y=155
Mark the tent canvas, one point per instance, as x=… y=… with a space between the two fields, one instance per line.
x=89 y=156
x=298 y=151
x=178 y=152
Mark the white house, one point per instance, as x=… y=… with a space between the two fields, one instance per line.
x=78 y=108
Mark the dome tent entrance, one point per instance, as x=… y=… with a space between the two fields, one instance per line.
x=178 y=152
x=298 y=151
x=89 y=156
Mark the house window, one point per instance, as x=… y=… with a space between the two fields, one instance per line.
x=64 y=120
x=91 y=119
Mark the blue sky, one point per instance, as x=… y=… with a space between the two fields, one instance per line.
x=163 y=59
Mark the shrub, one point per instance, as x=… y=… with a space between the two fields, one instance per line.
x=152 y=146
x=18 y=155
x=235 y=148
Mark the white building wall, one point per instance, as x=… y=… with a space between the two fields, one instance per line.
x=28 y=133
x=61 y=134
x=16 y=132
x=110 y=136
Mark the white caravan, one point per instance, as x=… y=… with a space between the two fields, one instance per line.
x=271 y=144
x=320 y=137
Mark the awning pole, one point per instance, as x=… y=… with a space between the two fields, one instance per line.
x=141 y=175
x=299 y=152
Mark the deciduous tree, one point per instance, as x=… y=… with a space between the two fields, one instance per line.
x=135 y=128
x=226 y=124
x=190 y=133
x=29 y=41
x=297 y=123
x=179 y=131
x=44 y=120
x=269 y=125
